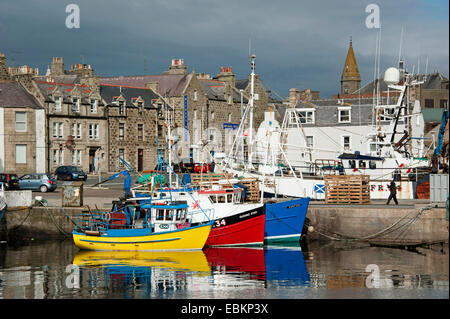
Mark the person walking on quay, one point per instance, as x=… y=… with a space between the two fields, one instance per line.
x=393 y=193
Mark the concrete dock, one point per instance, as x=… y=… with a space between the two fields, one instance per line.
x=412 y=222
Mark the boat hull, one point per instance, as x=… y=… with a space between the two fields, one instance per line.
x=191 y=238
x=284 y=220
x=246 y=228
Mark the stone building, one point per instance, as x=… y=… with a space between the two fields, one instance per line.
x=205 y=110
x=76 y=125
x=22 y=130
x=134 y=126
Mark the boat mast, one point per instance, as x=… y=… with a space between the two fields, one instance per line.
x=252 y=95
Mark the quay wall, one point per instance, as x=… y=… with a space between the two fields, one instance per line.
x=393 y=225
x=40 y=223
x=409 y=225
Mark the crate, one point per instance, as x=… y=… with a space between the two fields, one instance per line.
x=347 y=189
x=254 y=194
x=208 y=178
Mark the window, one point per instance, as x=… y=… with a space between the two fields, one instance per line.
x=352 y=163
x=21 y=153
x=140 y=107
x=76 y=130
x=344 y=114
x=76 y=157
x=230 y=99
x=443 y=104
x=310 y=141
x=58 y=103
x=306 y=116
x=58 y=129
x=362 y=164
x=372 y=164
x=229 y=117
x=21 y=121
x=121 y=108
x=346 y=143
x=212 y=115
x=55 y=157
x=195 y=95
x=140 y=131
x=429 y=103
x=93 y=131
x=93 y=106
x=121 y=131
x=122 y=156
x=76 y=104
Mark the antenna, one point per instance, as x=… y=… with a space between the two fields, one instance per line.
x=249 y=48
x=400 y=50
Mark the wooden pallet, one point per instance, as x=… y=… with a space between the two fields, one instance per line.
x=209 y=178
x=347 y=189
x=253 y=189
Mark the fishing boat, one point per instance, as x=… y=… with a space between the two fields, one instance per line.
x=284 y=217
x=271 y=153
x=236 y=222
x=158 y=224
x=162 y=225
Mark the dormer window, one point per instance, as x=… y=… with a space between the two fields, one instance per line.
x=76 y=104
x=344 y=114
x=140 y=106
x=94 y=104
x=58 y=103
x=195 y=95
x=121 y=108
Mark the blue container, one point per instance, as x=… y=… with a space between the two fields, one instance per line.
x=284 y=220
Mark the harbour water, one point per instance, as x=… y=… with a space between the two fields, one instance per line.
x=314 y=270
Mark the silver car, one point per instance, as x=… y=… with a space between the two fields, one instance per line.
x=41 y=182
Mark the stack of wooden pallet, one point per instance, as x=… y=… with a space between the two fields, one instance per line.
x=253 y=189
x=347 y=189
x=208 y=178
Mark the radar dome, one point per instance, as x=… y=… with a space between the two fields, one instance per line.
x=391 y=76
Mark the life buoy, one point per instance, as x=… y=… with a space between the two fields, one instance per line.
x=108 y=217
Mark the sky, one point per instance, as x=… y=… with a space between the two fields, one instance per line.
x=298 y=44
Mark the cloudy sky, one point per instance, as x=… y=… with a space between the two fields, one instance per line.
x=297 y=43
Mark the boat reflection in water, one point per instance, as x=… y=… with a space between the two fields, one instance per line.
x=139 y=273
x=191 y=273
x=273 y=265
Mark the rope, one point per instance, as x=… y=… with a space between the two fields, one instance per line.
x=384 y=231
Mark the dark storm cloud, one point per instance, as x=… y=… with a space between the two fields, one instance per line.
x=297 y=43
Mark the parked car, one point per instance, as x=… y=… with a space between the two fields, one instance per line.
x=41 y=182
x=70 y=173
x=9 y=181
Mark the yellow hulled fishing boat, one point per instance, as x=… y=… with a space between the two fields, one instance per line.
x=162 y=225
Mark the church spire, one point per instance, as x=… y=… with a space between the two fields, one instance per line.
x=350 y=79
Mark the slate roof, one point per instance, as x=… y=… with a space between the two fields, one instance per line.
x=433 y=82
x=215 y=90
x=13 y=94
x=169 y=84
x=66 y=89
x=326 y=111
x=109 y=92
